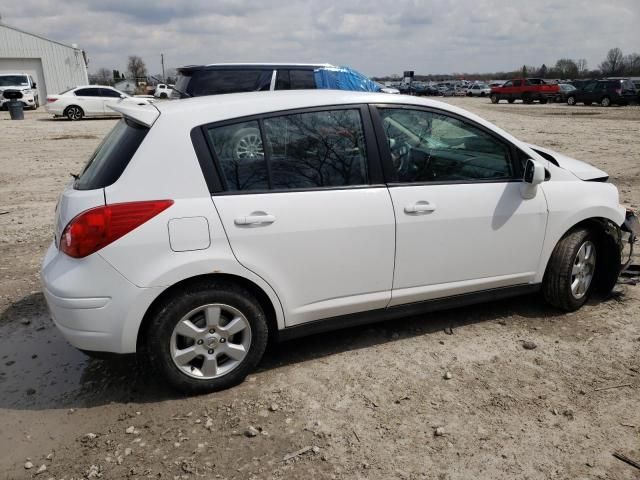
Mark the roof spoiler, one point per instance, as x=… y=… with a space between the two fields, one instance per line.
x=144 y=112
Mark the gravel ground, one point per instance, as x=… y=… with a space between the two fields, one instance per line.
x=451 y=395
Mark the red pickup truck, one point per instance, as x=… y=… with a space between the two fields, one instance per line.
x=526 y=89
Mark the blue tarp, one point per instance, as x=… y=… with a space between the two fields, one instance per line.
x=344 y=78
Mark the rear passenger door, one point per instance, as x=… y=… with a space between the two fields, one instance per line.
x=90 y=100
x=304 y=207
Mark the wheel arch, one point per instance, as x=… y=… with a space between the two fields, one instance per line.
x=607 y=236
x=263 y=298
x=64 y=112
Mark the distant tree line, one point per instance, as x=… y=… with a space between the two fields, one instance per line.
x=615 y=64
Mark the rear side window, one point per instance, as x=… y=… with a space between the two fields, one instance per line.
x=316 y=149
x=304 y=151
x=215 y=82
x=241 y=156
x=88 y=92
x=112 y=156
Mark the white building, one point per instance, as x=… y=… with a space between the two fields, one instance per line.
x=55 y=67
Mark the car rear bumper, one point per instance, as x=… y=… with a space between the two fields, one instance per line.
x=92 y=304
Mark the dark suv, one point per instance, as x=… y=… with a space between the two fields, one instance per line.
x=604 y=92
x=215 y=79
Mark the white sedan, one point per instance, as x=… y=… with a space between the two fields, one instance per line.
x=89 y=101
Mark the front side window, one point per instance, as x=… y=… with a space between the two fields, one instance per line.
x=517 y=83
x=508 y=84
x=107 y=92
x=316 y=149
x=302 y=80
x=309 y=150
x=431 y=147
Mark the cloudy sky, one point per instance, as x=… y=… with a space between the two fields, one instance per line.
x=373 y=36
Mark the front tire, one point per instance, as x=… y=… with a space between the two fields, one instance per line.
x=605 y=102
x=206 y=338
x=569 y=278
x=571 y=100
x=494 y=98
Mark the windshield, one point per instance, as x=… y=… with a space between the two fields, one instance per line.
x=14 y=81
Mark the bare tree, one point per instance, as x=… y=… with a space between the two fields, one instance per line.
x=613 y=63
x=581 y=63
x=136 y=67
x=103 y=76
x=565 y=68
x=632 y=64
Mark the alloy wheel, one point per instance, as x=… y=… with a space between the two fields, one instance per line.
x=583 y=269
x=249 y=147
x=210 y=341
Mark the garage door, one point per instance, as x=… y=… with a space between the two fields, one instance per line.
x=30 y=66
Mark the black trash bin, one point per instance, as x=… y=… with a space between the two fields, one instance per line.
x=15 y=106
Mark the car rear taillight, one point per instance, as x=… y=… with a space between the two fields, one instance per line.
x=96 y=228
x=51 y=100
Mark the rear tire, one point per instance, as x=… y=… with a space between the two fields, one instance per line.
x=569 y=278
x=73 y=112
x=511 y=100
x=605 y=102
x=210 y=369
x=571 y=100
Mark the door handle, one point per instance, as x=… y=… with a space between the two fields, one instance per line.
x=256 y=218
x=419 y=208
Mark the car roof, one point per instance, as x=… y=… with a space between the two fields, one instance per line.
x=93 y=86
x=215 y=108
x=213 y=66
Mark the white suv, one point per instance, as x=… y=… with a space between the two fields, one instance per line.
x=22 y=82
x=200 y=228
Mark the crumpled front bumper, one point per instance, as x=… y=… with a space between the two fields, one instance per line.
x=630 y=230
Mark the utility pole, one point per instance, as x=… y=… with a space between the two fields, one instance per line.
x=162 y=61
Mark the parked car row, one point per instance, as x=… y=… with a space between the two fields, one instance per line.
x=605 y=92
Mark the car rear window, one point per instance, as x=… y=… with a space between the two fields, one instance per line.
x=112 y=156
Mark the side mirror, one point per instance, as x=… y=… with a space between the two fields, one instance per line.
x=122 y=95
x=534 y=175
x=35 y=84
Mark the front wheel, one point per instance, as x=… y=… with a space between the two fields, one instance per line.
x=571 y=100
x=494 y=98
x=569 y=277
x=605 y=102
x=206 y=338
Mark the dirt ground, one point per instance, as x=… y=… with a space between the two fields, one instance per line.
x=361 y=403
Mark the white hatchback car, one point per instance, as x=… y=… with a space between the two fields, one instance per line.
x=200 y=228
x=89 y=101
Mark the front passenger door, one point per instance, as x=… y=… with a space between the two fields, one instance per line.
x=109 y=97
x=461 y=222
